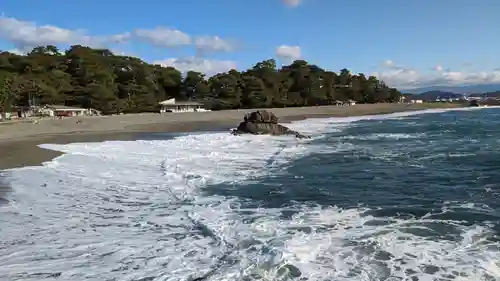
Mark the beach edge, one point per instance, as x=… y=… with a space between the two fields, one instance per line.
x=24 y=151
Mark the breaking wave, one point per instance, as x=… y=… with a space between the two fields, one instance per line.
x=139 y=210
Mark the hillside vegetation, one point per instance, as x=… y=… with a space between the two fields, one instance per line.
x=97 y=78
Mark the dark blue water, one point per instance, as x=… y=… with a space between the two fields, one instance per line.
x=436 y=174
x=404 y=166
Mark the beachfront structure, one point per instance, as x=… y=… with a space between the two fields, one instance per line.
x=344 y=103
x=66 y=111
x=404 y=99
x=171 y=105
x=449 y=99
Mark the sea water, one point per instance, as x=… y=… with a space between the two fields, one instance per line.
x=406 y=196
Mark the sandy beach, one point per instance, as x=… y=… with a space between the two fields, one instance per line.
x=19 y=140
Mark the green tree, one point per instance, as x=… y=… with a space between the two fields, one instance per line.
x=96 y=78
x=7 y=95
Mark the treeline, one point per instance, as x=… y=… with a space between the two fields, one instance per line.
x=96 y=78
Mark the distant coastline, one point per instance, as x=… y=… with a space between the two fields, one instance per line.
x=467 y=89
x=19 y=142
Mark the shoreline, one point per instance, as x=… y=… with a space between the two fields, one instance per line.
x=19 y=142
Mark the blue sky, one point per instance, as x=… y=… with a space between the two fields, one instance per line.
x=406 y=43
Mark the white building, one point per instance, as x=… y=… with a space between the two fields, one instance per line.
x=171 y=105
x=66 y=111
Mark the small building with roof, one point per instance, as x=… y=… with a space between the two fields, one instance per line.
x=66 y=111
x=350 y=102
x=171 y=105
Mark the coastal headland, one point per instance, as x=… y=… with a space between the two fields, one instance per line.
x=19 y=140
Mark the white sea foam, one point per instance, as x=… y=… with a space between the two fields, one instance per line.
x=137 y=210
x=394 y=136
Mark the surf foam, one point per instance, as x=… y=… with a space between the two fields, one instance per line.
x=137 y=211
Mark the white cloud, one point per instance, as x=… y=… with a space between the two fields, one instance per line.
x=288 y=53
x=119 y=38
x=162 y=37
x=16 y=51
x=407 y=78
x=25 y=35
x=120 y=52
x=209 y=67
x=292 y=3
x=214 y=44
x=388 y=63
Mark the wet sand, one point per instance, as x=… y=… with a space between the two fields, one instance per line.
x=19 y=141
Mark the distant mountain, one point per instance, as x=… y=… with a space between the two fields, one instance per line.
x=465 y=89
x=495 y=94
x=433 y=95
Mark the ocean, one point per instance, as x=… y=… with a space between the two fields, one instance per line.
x=406 y=196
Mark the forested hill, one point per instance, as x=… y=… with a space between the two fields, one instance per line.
x=96 y=78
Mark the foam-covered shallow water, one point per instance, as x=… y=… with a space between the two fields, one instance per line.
x=407 y=196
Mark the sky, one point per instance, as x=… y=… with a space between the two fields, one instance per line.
x=406 y=43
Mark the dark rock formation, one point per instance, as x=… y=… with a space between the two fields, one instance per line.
x=263 y=122
x=474 y=103
x=261 y=116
